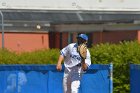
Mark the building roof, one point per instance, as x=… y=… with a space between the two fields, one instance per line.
x=29 y=19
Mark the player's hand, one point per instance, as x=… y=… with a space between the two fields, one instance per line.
x=84 y=65
x=59 y=67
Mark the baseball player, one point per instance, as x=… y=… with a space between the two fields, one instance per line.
x=74 y=64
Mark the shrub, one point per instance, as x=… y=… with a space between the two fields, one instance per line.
x=121 y=55
x=45 y=56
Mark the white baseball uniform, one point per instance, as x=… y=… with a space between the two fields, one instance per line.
x=73 y=69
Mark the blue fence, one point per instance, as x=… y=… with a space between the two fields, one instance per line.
x=134 y=78
x=45 y=79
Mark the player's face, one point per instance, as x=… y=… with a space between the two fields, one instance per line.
x=80 y=41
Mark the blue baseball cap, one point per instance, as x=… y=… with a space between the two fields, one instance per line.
x=83 y=36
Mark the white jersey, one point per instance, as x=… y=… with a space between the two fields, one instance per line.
x=72 y=57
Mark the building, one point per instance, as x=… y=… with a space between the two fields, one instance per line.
x=32 y=26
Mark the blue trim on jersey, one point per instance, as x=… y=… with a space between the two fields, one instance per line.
x=76 y=45
x=62 y=53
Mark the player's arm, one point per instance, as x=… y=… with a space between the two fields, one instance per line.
x=63 y=54
x=86 y=62
x=59 y=66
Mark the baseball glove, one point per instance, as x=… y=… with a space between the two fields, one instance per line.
x=82 y=49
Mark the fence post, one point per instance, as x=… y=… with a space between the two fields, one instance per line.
x=111 y=77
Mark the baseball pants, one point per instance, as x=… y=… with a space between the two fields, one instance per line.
x=71 y=79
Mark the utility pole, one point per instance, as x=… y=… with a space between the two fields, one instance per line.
x=2 y=26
